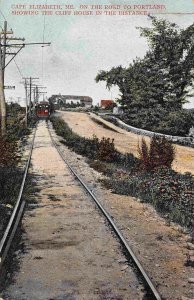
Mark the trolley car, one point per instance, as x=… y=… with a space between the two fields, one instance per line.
x=43 y=109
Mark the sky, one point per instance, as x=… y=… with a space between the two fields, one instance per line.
x=81 y=45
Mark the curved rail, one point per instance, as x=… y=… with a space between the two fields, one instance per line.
x=114 y=226
x=16 y=214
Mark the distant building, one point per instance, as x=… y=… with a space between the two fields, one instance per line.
x=74 y=101
x=85 y=101
x=106 y=103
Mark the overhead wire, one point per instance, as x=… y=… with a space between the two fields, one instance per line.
x=43 y=40
x=3 y=15
x=4 y=19
x=18 y=68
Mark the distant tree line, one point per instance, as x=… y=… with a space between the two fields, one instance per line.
x=154 y=88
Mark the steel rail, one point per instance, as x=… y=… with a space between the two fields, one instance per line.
x=114 y=226
x=10 y=230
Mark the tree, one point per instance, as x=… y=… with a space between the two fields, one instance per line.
x=159 y=83
x=172 y=50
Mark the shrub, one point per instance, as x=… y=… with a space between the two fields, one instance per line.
x=106 y=150
x=160 y=120
x=8 y=155
x=99 y=166
x=144 y=118
x=128 y=161
x=160 y=152
x=10 y=181
x=177 y=123
x=16 y=131
x=170 y=193
x=93 y=148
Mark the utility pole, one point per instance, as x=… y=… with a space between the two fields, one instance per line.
x=3 y=53
x=43 y=94
x=30 y=84
x=4 y=49
x=30 y=103
x=2 y=96
x=26 y=100
x=6 y=46
x=38 y=90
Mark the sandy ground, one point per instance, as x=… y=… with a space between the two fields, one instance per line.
x=82 y=124
x=70 y=252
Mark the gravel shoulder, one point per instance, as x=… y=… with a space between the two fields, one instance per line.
x=83 y=124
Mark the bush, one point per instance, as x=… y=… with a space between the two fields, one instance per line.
x=8 y=156
x=106 y=150
x=16 y=131
x=160 y=120
x=160 y=153
x=10 y=181
x=128 y=161
x=170 y=193
x=177 y=123
x=144 y=118
x=103 y=150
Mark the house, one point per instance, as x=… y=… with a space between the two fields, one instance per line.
x=85 y=101
x=106 y=103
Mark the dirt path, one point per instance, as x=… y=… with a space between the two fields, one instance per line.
x=162 y=249
x=82 y=124
x=70 y=252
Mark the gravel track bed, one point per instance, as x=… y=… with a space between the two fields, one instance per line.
x=69 y=252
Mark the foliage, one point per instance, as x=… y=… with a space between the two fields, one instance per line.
x=10 y=181
x=8 y=156
x=110 y=106
x=160 y=153
x=16 y=132
x=169 y=192
x=106 y=150
x=16 y=128
x=93 y=148
x=157 y=85
x=10 y=175
x=128 y=161
x=178 y=122
x=99 y=166
x=14 y=109
x=95 y=108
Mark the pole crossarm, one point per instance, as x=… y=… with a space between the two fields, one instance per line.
x=7 y=53
x=25 y=44
x=15 y=39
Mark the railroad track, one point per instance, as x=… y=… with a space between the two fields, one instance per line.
x=127 y=248
x=16 y=215
x=5 y=243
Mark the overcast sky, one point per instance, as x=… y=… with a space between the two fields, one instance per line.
x=80 y=46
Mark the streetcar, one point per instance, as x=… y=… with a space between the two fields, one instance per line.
x=43 y=109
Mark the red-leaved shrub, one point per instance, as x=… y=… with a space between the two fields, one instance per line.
x=160 y=153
